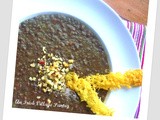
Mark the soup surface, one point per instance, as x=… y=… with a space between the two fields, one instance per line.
x=67 y=38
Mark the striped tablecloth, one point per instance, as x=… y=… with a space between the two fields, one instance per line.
x=138 y=32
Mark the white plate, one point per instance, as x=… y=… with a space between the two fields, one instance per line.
x=108 y=25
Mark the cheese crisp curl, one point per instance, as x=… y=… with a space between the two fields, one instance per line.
x=86 y=87
x=85 y=91
x=116 y=80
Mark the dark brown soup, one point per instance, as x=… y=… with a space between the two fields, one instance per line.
x=64 y=36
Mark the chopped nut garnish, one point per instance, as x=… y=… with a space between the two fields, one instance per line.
x=71 y=61
x=44 y=90
x=32 y=78
x=49 y=82
x=51 y=71
x=67 y=70
x=65 y=64
x=44 y=50
x=38 y=97
x=33 y=65
x=39 y=85
x=49 y=101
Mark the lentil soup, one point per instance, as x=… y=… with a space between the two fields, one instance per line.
x=68 y=44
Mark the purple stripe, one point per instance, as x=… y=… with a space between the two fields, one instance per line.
x=134 y=27
x=138 y=109
x=140 y=38
x=128 y=25
x=142 y=62
x=136 y=35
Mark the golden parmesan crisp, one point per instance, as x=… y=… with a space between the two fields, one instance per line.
x=86 y=87
x=116 y=80
x=87 y=94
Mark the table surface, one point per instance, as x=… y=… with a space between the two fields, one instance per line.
x=132 y=10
